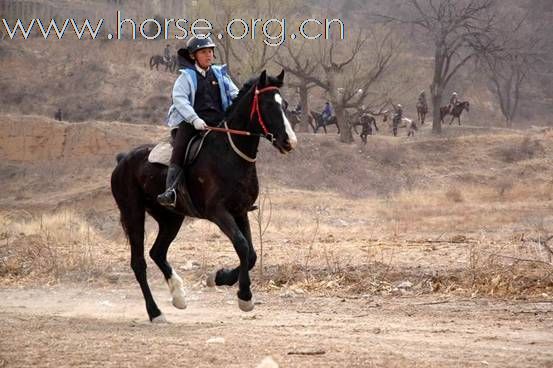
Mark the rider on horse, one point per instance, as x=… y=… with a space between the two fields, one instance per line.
x=167 y=54
x=327 y=112
x=453 y=101
x=396 y=120
x=201 y=95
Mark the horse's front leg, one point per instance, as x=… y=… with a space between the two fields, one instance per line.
x=241 y=240
x=229 y=277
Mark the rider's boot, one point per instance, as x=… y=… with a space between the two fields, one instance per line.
x=169 y=197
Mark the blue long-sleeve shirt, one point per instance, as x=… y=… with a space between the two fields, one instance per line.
x=184 y=92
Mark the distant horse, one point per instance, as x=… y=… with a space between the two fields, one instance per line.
x=170 y=65
x=410 y=124
x=422 y=110
x=222 y=182
x=321 y=123
x=295 y=119
x=366 y=122
x=455 y=112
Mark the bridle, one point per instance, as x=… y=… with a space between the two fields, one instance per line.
x=256 y=111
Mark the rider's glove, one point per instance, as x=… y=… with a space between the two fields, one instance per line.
x=199 y=124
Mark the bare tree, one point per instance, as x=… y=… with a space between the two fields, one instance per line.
x=346 y=71
x=461 y=30
x=301 y=67
x=250 y=54
x=224 y=12
x=507 y=76
x=509 y=68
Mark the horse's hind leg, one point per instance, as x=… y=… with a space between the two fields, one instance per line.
x=132 y=218
x=169 y=225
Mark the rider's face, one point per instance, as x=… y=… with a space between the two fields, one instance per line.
x=204 y=57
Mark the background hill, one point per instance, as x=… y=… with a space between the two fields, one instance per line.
x=111 y=80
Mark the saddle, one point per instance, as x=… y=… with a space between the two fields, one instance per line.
x=161 y=153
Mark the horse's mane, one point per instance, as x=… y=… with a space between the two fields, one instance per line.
x=246 y=87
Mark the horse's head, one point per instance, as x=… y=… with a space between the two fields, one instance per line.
x=466 y=105
x=267 y=113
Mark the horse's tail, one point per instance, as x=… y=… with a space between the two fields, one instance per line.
x=120 y=156
x=152 y=62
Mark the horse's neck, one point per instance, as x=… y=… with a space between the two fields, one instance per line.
x=246 y=144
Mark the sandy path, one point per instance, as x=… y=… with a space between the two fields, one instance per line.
x=79 y=327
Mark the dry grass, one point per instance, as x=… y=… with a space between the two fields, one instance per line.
x=342 y=219
x=526 y=148
x=54 y=247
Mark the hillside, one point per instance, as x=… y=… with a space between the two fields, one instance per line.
x=32 y=146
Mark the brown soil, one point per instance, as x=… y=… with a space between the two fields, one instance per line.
x=78 y=326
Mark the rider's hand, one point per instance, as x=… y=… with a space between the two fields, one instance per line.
x=199 y=124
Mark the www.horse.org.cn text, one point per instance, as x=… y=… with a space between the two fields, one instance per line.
x=274 y=32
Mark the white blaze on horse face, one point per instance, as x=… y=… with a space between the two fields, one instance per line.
x=289 y=131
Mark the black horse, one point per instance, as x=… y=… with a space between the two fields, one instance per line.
x=321 y=123
x=170 y=65
x=295 y=119
x=366 y=122
x=455 y=112
x=422 y=110
x=222 y=182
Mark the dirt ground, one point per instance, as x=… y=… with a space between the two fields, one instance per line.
x=78 y=326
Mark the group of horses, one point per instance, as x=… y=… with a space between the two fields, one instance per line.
x=454 y=111
x=367 y=120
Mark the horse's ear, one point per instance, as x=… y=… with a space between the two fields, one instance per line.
x=280 y=77
x=262 y=79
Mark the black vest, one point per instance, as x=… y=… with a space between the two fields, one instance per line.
x=207 y=101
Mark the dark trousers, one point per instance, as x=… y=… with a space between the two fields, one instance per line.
x=184 y=133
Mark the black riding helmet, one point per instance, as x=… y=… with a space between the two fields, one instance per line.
x=195 y=44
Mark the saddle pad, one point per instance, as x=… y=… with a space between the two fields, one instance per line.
x=161 y=153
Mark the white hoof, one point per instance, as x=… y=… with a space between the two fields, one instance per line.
x=160 y=319
x=210 y=280
x=245 y=306
x=179 y=301
x=177 y=291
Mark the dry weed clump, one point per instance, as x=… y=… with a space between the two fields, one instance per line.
x=525 y=149
x=499 y=272
x=52 y=247
x=454 y=195
x=391 y=154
